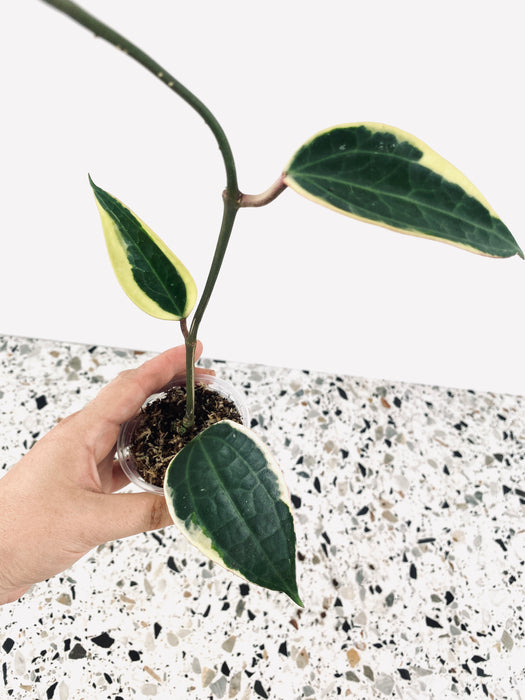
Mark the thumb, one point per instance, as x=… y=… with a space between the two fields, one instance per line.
x=121 y=515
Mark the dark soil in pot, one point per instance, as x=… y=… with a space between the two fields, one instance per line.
x=155 y=441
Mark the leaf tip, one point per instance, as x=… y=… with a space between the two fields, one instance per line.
x=294 y=596
x=94 y=187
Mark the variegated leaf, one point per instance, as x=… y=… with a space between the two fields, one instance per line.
x=382 y=175
x=150 y=274
x=227 y=496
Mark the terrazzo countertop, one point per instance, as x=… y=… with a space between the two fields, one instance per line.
x=410 y=519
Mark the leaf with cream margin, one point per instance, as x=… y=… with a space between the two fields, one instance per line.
x=150 y=274
x=382 y=175
x=228 y=497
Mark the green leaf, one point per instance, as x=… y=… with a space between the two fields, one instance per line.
x=150 y=274
x=383 y=175
x=228 y=497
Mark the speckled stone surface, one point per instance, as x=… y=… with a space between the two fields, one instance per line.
x=410 y=514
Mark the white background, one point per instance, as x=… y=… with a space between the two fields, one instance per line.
x=301 y=286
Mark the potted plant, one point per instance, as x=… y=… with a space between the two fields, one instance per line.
x=224 y=490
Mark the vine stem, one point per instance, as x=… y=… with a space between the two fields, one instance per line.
x=102 y=30
x=89 y=21
x=229 y=213
x=233 y=199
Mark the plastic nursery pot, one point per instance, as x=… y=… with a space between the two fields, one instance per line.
x=127 y=431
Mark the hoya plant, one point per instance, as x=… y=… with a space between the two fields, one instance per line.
x=224 y=490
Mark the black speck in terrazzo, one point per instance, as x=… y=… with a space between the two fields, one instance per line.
x=317 y=485
x=172 y=565
x=41 y=401
x=134 y=655
x=363 y=511
x=296 y=500
x=244 y=589
x=342 y=393
x=258 y=688
x=8 y=644
x=283 y=648
x=225 y=669
x=50 y=693
x=413 y=571
x=103 y=640
x=481 y=672
x=158 y=538
x=78 y=652
x=430 y=622
x=156 y=629
x=404 y=673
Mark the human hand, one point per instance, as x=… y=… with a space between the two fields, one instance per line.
x=57 y=502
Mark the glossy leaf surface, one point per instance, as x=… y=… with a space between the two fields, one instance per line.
x=386 y=176
x=150 y=274
x=228 y=497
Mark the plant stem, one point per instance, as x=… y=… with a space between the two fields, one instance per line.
x=102 y=30
x=232 y=198
x=232 y=194
x=261 y=200
x=228 y=217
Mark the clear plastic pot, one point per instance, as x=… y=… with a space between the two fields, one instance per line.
x=124 y=454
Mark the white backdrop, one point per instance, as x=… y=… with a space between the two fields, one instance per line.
x=301 y=286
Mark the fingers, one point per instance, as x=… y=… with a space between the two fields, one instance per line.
x=124 y=514
x=122 y=398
